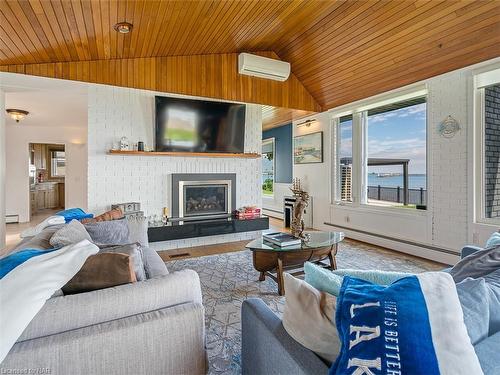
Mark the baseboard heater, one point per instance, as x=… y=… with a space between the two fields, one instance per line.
x=11 y=219
x=407 y=242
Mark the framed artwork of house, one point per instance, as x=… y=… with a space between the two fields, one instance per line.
x=308 y=148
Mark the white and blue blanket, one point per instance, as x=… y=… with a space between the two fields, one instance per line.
x=413 y=326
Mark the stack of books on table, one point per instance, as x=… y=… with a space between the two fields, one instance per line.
x=247 y=212
x=281 y=239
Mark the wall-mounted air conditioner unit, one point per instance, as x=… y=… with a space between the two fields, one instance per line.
x=263 y=67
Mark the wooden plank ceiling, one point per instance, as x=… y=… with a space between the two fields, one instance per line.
x=341 y=51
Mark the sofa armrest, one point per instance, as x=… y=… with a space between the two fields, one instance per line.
x=71 y=312
x=266 y=348
x=164 y=341
x=487 y=352
x=468 y=250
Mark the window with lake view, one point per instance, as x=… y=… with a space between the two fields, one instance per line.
x=396 y=154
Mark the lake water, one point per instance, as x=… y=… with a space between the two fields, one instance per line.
x=416 y=181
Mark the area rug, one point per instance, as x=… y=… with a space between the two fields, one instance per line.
x=228 y=279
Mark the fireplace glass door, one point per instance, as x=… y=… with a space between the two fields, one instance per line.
x=204 y=200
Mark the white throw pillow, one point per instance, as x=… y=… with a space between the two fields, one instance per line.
x=25 y=289
x=309 y=317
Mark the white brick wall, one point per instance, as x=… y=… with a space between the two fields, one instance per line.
x=115 y=112
x=448 y=160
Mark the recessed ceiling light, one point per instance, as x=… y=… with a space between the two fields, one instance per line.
x=123 y=27
x=16 y=114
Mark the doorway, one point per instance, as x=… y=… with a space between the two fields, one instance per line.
x=47 y=173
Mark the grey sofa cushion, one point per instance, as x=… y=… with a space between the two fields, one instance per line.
x=113 y=232
x=75 y=311
x=153 y=264
x=134 y=251
x=71 y=233
x=477 y=264
x=138 y=230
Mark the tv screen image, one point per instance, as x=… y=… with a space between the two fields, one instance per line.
x=187 y=125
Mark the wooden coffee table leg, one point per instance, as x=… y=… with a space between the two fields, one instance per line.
x=262 y=276
x=331 y=256
x=281 y=282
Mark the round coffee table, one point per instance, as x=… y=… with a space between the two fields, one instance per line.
x=271 y=260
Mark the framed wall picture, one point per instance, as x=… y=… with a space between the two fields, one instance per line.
x=308 y=148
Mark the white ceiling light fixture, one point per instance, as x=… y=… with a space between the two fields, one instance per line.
x=16 y=114
x=263 y=67
x=306 y=123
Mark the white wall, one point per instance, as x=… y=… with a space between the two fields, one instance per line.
x=19 y=137
x=2 y=170
x=273 y=206
x=448 y=223
x=115 y=112
x=315 y=177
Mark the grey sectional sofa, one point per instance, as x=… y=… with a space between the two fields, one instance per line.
x=267 y=348
x=151 y=327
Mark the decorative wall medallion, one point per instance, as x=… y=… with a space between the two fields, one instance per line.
x=449 y=127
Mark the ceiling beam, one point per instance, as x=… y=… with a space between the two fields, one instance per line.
x=212 y=76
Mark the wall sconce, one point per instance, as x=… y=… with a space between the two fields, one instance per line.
x=306 y=123
x=16 y=114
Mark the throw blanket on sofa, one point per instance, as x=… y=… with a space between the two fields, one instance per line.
x=413 y=326
x=61 y=217
x=25 y=289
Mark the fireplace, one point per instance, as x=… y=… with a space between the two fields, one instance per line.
x=197 y=196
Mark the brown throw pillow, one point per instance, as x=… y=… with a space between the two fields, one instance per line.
x=107 y=216
x=100 y=271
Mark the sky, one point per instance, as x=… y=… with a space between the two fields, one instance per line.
x=399 y=134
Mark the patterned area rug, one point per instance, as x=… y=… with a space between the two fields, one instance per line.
x=228 y=279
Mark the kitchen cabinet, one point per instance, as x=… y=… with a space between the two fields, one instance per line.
x=45 y=196
x=40 y=156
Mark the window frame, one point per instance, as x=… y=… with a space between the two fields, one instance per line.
x=273 y=142
x=359 y=112
x=481 y=81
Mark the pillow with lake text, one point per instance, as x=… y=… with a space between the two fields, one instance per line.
x=413 y=326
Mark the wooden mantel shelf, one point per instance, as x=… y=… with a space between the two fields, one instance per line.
x=185 y=154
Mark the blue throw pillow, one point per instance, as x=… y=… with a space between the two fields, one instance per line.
x=330 y=281
x=10 y=262
x=494 y=240
x=74 y=214
x=413 y=326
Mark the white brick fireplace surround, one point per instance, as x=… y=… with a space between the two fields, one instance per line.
x=115 y=112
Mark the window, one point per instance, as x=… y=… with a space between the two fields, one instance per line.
x=57 y=164
x=491 y=151
x=344 y=162
x=396 y=155
x=381 y=153
x=268 y=167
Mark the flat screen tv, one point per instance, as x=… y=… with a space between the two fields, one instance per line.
x=186 y=125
